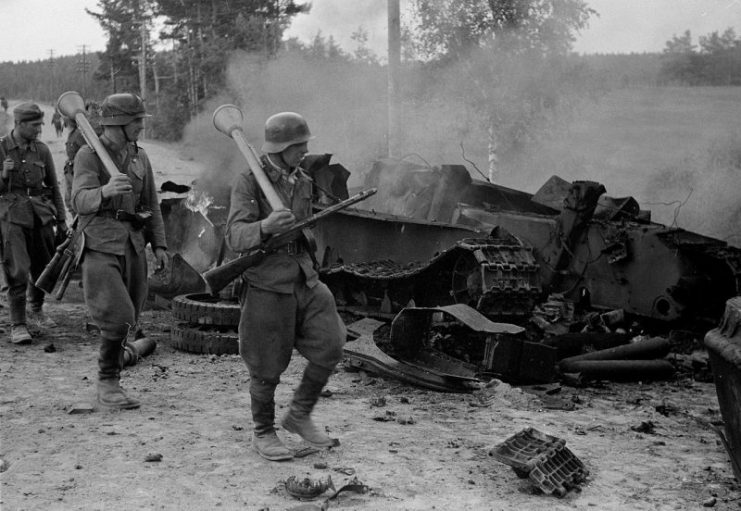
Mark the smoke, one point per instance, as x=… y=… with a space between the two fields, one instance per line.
x=700 y=193
x=628 y=139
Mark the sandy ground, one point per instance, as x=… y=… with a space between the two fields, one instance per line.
x=432 y=454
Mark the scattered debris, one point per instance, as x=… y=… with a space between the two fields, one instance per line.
x=647 y=427
x=379 y=401
x=544 y=459
x=709 y=502
x=304 y=452
x=50 y=348
x=153 y=457
x=3 y=465
x=307 y=488
x=80 y=408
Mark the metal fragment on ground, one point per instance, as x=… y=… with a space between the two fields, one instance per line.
x=307 y=488
x=544 y=459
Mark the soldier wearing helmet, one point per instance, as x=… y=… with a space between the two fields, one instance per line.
x=284 y=306
x=120 y=215
x=30 y=206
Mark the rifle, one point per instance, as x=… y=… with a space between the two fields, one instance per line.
x=59 y=270
x=217 y=278
x=64 y=261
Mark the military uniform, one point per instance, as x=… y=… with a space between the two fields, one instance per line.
x=114 y=266
x=283 y=303
x=74 y=142
x=30 y=205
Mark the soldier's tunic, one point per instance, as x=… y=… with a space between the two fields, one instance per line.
x=30 y=205
x=75 y=141
x=114 y=266
x=284 y=305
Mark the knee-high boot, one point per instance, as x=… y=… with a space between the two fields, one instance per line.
x=264 y=438
x=298 y=419
x=110 y=361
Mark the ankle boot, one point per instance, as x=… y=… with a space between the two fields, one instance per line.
x=264 y=439
x=298 y=419
x=110 y=361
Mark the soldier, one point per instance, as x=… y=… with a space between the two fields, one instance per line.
x=284 y=306
x=56 y=121
x=30 y=206
x=121 y=214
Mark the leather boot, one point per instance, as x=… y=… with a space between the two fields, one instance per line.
x=264 y=438
x=110 y=361
x=298 y=419
x=19 y=334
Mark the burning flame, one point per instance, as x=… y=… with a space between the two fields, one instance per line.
x=199 y=201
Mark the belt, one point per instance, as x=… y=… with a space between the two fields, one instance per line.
x=30 y=192
x=294 y=247
x=122 y=216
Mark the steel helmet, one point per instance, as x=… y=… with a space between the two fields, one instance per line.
x=283 y=130
x=121 y=109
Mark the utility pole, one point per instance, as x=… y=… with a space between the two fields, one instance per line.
x=51 y=74
x=394 y=58
x=143 y=60
x=83 y=66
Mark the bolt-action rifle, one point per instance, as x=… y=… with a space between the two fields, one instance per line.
x=217 y=278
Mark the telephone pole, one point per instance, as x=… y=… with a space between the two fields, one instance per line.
x=394 y=64
x=83 y=66
x=51 y=74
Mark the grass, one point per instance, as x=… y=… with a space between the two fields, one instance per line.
x=660 y=145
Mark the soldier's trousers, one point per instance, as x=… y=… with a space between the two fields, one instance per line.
x=272 y=324
x=115 y=289
x=25 y=253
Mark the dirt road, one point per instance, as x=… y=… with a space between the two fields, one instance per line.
x=420 y=450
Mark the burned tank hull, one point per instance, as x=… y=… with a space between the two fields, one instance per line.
x=570 y=238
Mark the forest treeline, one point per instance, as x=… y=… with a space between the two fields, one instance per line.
x=183 y=62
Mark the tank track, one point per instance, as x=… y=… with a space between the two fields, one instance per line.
x=497 y=276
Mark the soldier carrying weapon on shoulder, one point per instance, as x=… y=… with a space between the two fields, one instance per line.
x=121 y=214
x=284 y=305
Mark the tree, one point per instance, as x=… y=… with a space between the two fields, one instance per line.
x=716 y=62
x=122 y=20
x=514 y=54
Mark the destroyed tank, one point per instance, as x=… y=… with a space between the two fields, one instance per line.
x=433 y=236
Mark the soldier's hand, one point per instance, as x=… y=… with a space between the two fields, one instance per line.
x=160 y=254
x=8 y=165
x=278 y=221
x=118 y=185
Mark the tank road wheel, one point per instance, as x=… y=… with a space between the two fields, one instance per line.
x=205 y=340
x=465 y=286
x=204 y=309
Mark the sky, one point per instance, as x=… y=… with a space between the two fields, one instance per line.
x=39 y=29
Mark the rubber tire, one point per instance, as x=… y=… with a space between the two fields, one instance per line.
x=198 y=339
x=204 y=309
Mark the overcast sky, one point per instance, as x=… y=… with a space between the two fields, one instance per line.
x=33 y=29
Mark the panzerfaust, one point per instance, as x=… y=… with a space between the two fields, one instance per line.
x=228 y=120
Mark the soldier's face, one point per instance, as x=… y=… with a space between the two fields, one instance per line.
x=293 y=154
x=30 y=130
x=134 y=128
